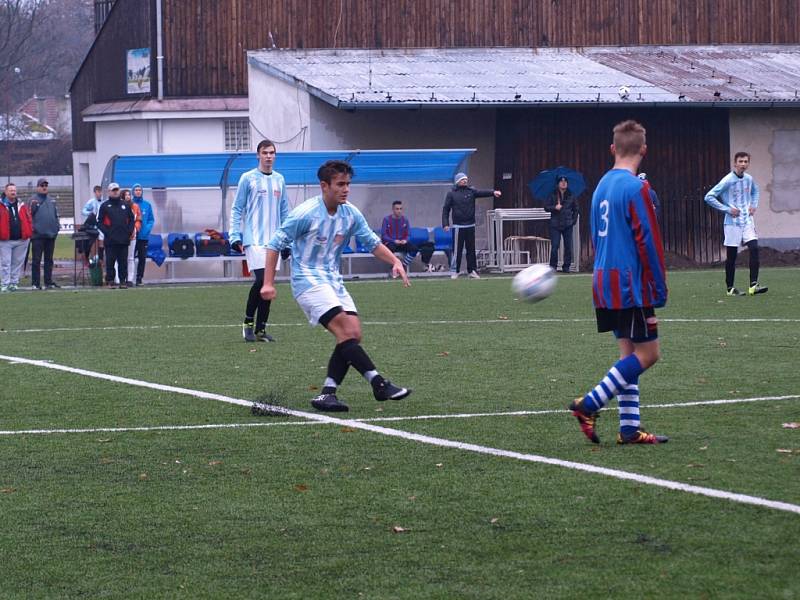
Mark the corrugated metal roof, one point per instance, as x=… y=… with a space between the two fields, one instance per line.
x=351 y=78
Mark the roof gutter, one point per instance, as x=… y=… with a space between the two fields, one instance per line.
x=352 y=106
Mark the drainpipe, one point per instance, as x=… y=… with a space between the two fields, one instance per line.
x=160 y=74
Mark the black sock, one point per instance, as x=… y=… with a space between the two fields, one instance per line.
x=254 y=300
x=351 y=351
x=337 y=369
x=753 y=246
x=730 y=265
x=262 y=314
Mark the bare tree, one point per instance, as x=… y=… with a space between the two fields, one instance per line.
x=42 y=43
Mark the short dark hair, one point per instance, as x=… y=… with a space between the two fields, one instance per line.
x=97 y=188
x=739 y=155
x=396 y=202
x=265 y=143
x=9 y=184
x=334 y=167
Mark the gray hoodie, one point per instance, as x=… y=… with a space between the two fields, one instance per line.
x=45 y=216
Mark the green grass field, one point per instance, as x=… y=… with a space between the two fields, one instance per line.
x=168 y=494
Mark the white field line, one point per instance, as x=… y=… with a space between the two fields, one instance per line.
x=434 y=441
x=386 y=323
x=514 y=413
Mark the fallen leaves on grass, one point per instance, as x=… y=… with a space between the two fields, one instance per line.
x=439 y=465
x=398 y=529
x=143 y=477
x=792 y=425
x=214 y=463
x=347 y=430
x=253 y=350
x=8 y=490
x=313 y=388
x=299 y=487
x=696 y=466
x=443 y=354
x=502 y=317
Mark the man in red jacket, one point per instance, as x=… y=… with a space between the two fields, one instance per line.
x=15 y=231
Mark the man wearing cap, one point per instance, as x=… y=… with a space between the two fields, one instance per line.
x=45 y=230
x=461 y=201
x=116 y=220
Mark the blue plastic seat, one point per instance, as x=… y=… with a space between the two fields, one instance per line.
x=418 y=235
x=443 y=240
x=155 y=242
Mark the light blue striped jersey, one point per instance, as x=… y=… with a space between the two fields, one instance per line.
x=260 y=206
x=318 y=239
x=734 y=191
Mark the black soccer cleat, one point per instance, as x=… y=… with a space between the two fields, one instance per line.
x=386 y=390
x=247 y=332
x=329 y=403
x=263 y=336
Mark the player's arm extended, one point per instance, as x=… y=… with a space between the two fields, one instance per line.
x=383 y=253
x=268 y=291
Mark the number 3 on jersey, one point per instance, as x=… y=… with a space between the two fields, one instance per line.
x=603 y=219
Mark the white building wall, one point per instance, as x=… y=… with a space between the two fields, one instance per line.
x=772 y=137
x=282 y=112
x=140 y=136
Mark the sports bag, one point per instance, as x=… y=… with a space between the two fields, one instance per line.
x=182 y=247
x=211 y=243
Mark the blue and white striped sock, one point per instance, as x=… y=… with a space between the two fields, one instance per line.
x=625 y=372
x=629 y=409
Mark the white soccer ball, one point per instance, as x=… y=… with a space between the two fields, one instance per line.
x=534 y=283
x=624 y=92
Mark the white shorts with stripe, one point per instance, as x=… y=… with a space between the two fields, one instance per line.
x=736 y=235
x=318 y=300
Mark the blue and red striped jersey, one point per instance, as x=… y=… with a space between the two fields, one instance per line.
x=394 y=229
x=628 y=252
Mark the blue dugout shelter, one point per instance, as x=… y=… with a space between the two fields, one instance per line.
x=222 y=171
x=192 y=192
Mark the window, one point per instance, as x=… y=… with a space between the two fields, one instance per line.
x=237 y=135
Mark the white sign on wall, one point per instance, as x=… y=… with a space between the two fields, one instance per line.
x=138 y=76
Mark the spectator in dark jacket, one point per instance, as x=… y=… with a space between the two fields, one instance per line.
x=116 y=220
x=16 y=229
x=461 y=201
x=563 y=211
x=45 y=230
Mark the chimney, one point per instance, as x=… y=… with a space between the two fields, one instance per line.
x=41 y=109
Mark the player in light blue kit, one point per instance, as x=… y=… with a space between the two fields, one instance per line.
x=260 y=206
x=318 y=231
x=737 y=196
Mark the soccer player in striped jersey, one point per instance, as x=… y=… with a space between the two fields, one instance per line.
x=317 y=232
x=629 y=282
x=260 y=206
x=737 y=196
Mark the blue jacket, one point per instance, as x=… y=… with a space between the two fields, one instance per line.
x=628 y=253
x=148 y=218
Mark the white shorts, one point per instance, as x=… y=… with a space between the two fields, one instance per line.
x=318 y=300
x=256 y=256
x=738 y=236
